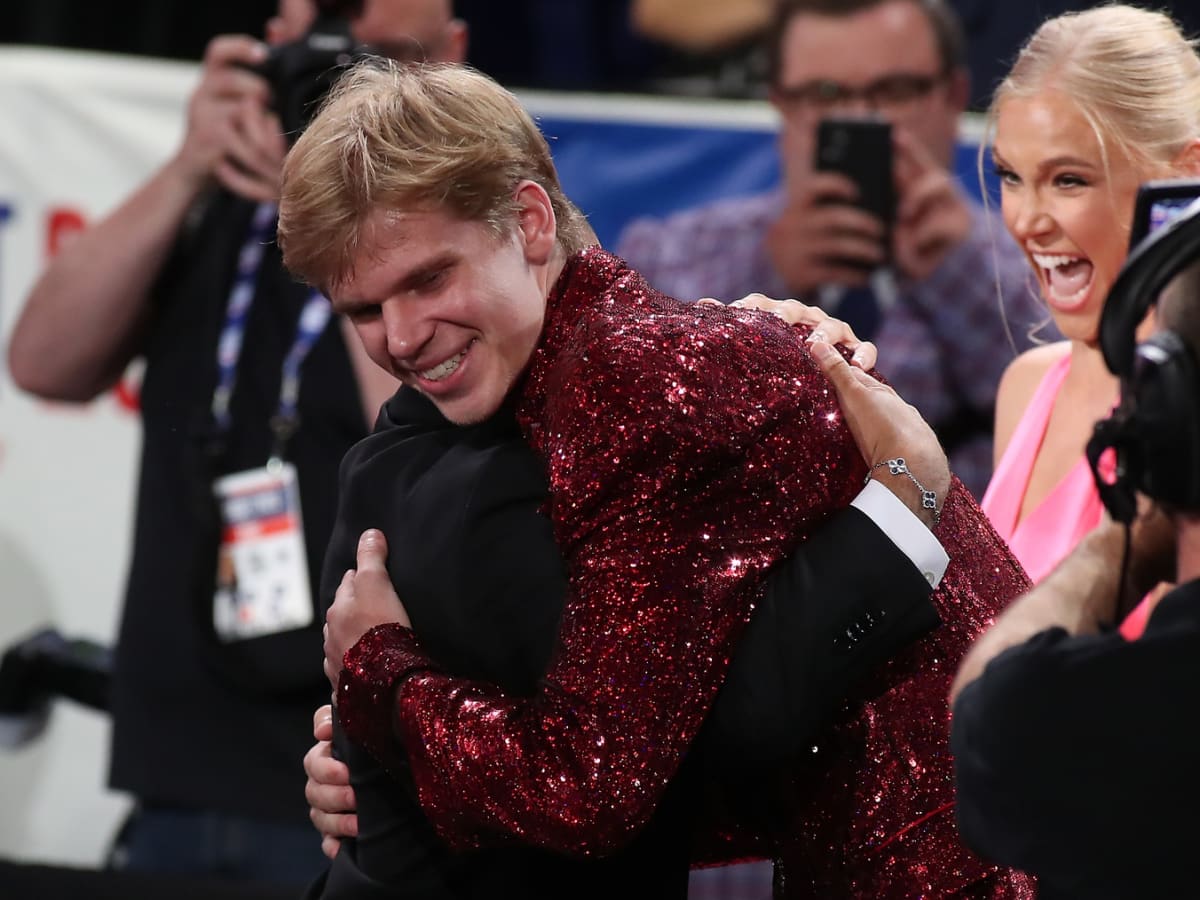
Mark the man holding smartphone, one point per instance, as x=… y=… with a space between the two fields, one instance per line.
x=925 y=287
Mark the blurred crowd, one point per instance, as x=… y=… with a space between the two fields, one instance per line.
x=697 y=47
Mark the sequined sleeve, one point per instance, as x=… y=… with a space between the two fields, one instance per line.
x=687 y=452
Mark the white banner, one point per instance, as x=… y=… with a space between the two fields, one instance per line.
x=79 y=132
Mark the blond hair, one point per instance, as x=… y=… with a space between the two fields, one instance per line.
x=428 y=137
x=1131 y=73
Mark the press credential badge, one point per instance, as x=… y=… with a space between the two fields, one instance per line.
x=262 y=576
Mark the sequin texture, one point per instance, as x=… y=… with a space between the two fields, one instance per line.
x=878 y=813
x=688 y=449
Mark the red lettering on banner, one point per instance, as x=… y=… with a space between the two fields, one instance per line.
x=127 y=393
x=63 y=223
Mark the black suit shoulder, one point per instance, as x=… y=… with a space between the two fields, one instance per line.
x=470 y=552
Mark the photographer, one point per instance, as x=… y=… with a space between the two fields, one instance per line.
x=1075 y=748
x=215 y=678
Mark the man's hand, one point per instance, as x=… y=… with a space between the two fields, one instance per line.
x=231 y=134
x=1081 y=593
x=885 y=427
x=824 y=326
x=819 y=238
x=364 y=599
x=330 y=798
x=932 y=216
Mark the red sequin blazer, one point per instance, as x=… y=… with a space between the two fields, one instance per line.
x=688 y=449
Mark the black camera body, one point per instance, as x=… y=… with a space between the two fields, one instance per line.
x=1155 y=432
x=1158 y=203
x=42 y=667
x=302 y=72
x=46 y=665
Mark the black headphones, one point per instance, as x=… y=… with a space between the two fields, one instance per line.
x=1155 y=431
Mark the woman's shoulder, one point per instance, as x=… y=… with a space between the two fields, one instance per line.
x=1018 y=385
x=1026 y=372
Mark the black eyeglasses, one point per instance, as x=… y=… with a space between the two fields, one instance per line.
x=887 y=93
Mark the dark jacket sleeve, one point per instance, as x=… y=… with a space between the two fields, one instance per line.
x=843 y=602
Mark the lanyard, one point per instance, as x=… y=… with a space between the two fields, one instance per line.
x=313 y=318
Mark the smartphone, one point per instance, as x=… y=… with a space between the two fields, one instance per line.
x=1158 y=202
x=861 y=149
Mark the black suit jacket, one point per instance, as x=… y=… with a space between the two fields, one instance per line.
x=1075 y=758
x=475 y=562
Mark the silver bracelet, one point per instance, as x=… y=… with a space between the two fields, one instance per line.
x=898 y=466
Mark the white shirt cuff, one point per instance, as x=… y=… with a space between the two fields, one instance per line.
x=904 y=529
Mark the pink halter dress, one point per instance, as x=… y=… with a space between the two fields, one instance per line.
x=1072 y=509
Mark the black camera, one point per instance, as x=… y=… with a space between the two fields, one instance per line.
x=302 y=72
x=42 y=667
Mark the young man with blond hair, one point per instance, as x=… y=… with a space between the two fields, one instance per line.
x=688 y=451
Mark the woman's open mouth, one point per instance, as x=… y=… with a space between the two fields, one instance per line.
x=1068 y=279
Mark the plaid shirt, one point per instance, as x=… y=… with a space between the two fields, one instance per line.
x=943 y=345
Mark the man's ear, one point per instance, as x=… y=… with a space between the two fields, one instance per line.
x=276 y=32
x=1187 y=161
x=537 y=226
x=958 y=88
x=776 y=100
x=454 y=47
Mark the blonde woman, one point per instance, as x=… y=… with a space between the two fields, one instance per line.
x=1097 y=102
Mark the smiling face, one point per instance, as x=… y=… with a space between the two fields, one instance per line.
x=448 y=306
x=1067 y=210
